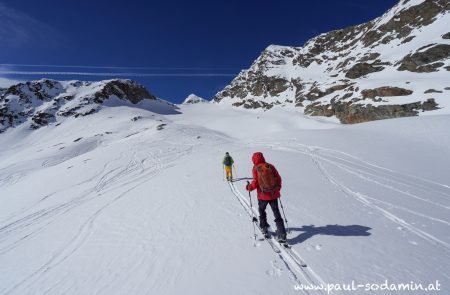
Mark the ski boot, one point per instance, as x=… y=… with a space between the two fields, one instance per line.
x=281 y=238
x=265 y=231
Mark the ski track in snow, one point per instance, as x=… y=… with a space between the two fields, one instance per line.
x=138 y=158
x=142 y=166
x=10 y=179
x=365 y=200
x=367 y=172
x=301 y=274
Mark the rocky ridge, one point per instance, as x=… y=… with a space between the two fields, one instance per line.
x=377 y=70
x=39 y=103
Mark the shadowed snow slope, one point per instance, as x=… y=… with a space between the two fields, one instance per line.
x=126 y=201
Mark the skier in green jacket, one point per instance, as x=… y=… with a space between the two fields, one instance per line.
x=228 y=164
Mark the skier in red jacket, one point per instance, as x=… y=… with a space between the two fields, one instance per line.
x=267 y=183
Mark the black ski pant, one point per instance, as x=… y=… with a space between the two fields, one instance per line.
x=262 y=204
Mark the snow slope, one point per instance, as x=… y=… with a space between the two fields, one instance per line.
x=122 y=206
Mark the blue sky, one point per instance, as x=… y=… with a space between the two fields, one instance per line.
x=180 y=47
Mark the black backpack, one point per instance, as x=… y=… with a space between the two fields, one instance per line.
x=227 y=161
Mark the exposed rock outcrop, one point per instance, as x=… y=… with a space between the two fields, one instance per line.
x=362 y=69
x=426 y=61
x=45 y=101
x=315 y=93
x=124 y=89
x=432 y=91
x=385 y=91
x=359 y=60
x=349 y=113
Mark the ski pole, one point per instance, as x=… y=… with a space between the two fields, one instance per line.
x=287 y=224
x=235 y=173
x=251 y=209
x=223 y=172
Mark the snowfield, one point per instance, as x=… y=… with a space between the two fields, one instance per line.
x=109 y=205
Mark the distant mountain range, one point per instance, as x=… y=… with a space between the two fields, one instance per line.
x=394 y=66
x=39 y=103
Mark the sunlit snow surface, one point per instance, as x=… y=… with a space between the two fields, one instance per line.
x=107 y=205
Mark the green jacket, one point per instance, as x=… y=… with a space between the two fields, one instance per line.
x=231 y=160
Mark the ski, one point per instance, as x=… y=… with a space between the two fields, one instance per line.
x=274 y=247
x=277 y=247
x=285 y=245
x=270 y=241
x=266 y=236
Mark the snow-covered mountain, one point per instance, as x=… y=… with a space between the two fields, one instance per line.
x=396 y=65
x=43 y=102
x=192 y=99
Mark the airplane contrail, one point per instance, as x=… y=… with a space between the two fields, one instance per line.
x=117 y=67
x=29 y=73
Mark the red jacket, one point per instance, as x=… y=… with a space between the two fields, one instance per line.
x=257 y=159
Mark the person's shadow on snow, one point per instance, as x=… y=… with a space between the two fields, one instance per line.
x=309 y=231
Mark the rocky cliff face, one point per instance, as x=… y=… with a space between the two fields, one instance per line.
x=41 y=102
x=381 y=69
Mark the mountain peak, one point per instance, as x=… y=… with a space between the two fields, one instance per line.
x=46 y=101
x=193 y=99
x=355 y=73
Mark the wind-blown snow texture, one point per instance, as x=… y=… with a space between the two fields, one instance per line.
x=128 y=201
x=396 y=65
